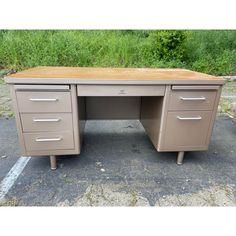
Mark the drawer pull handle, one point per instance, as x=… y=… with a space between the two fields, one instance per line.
x=47 y=120
x=48 y=139
x=43 y=99
x=193 y=99
x=189 y=118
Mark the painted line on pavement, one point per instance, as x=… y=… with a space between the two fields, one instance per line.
x=12 y=176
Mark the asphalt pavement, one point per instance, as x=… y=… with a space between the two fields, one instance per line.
x=119 y=166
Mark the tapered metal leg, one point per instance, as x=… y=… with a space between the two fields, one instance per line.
x=53 y=162
x=180 y=158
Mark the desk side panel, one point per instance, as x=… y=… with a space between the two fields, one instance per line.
x=82 y=117
x=214 y=114
x=150 y=117
x=77 y=128
x=18 y=120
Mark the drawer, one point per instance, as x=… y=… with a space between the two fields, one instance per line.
x=187 y=129
x=29 y=101
x=192 y=100
x=41 y=122
x=120 y=90
x=49 y=141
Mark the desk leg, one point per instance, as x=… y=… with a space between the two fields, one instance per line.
x=180 y=158
x=53 y=162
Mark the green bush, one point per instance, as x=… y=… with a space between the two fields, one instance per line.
x=168 y=45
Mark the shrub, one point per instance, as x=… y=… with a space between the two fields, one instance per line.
x=168 y=45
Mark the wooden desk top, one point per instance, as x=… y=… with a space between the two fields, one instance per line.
x=92 y=75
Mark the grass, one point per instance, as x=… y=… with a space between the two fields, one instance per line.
x=211 y=51
x=12 y=202
x=2 y=74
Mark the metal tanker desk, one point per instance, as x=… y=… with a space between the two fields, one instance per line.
x=177 y=107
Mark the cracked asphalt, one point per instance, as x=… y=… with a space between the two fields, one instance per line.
x=119 y=166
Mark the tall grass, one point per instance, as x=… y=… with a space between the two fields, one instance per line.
x=207 y=51
x=212 y=51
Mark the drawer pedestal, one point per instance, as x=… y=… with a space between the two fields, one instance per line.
x=47 y=120
x=188 y=116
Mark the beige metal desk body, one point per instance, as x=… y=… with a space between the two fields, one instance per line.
x=176 y=107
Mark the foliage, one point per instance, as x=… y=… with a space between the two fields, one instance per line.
x=212 y=51
x=206 y=51
x=168 y=45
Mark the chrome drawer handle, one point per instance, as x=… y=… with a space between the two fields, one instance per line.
x=47 y=120
x=43 y=99
x=48 y=139
x=193 y=99
x=189 y=118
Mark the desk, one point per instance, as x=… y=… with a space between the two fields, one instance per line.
x=177 y=107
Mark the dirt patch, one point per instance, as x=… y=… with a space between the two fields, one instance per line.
x=219 y=195
x=111 y=195
x=9 y=202
x=107 y=195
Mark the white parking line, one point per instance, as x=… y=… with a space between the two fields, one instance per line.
x=12 y=176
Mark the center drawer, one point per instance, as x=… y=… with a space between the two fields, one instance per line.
x=41 y=122
x=120 y=90
x=32 y=101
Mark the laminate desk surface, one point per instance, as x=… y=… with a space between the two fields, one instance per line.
x=90 y=75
